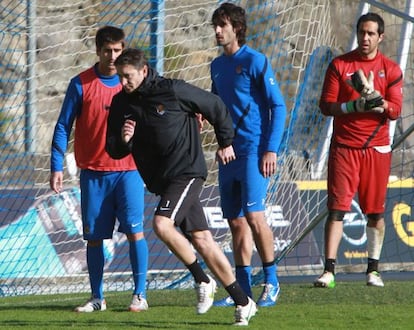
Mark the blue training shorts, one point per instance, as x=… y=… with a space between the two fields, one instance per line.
x=242 y=187
x=106 y=196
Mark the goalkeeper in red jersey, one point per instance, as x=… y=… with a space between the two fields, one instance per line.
x=363 y=92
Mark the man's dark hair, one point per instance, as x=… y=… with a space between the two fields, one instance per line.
x=132 y=56
x=372 y=17
x=109 y=34
x=236 y=16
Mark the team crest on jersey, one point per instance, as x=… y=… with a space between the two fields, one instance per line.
x=381 y=73
x=239 y=69
x=160 y=109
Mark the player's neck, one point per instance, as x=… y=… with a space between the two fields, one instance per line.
x=231 y=49
x=369 y=56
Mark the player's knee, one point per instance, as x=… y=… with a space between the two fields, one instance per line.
x=202 y=240
x=161 y=226
x=135 y=237
x=336 y=215
x=374 y=220
x=94 y=243
x=239 y=226
x=375 y=216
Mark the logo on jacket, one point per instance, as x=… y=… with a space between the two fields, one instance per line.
x=160 y=109
x=239 y=69
x=381 y=73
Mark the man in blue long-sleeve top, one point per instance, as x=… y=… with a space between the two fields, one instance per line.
x=244 y=80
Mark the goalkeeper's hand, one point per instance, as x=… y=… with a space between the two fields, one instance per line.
x=375 y=102
x=372 y=103
x=361 y=83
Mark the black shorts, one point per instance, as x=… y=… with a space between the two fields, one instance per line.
x=180 y=201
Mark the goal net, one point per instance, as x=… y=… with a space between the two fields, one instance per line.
x=44 y=43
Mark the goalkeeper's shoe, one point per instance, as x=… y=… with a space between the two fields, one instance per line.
x=225 y=302
x=92 y=305
x=374 y=279
x=269 y=295
x=326 y=280
x=205 y=295
x=138 y=304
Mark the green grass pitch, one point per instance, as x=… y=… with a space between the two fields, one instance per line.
x=351 y=305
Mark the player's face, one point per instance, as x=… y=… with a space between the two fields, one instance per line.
x=107 y=56
x=131 y=78
x=226 y=35
x=368 y=39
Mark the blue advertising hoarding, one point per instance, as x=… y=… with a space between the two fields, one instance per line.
x=42 y=236
x=399 y=219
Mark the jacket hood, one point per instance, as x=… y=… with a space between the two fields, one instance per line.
x=149 y=80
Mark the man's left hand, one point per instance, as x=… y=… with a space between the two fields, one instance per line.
x=268 y=164
x=225 y=155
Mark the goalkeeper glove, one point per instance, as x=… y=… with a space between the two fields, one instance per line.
x=375 y=100
x=370 y=100
x=361 y=83
x=371 y=104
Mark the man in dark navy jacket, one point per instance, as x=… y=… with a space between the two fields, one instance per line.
x=155 y=119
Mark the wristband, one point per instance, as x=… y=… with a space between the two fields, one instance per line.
x=347 y=107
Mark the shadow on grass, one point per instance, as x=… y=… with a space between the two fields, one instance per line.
x=106 y=324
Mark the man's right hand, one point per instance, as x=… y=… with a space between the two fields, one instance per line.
x=56 y=181
x=370 y=100
x=128 y=130
x=361 y=83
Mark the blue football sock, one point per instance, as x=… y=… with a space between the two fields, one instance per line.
x=244 y=277
x=138 y=254
x=96 y=261
x=270 y=276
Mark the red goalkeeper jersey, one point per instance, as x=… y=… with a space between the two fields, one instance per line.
x=359 y=130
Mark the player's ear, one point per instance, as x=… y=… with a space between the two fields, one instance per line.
x=381 y=37
x=145 y=70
